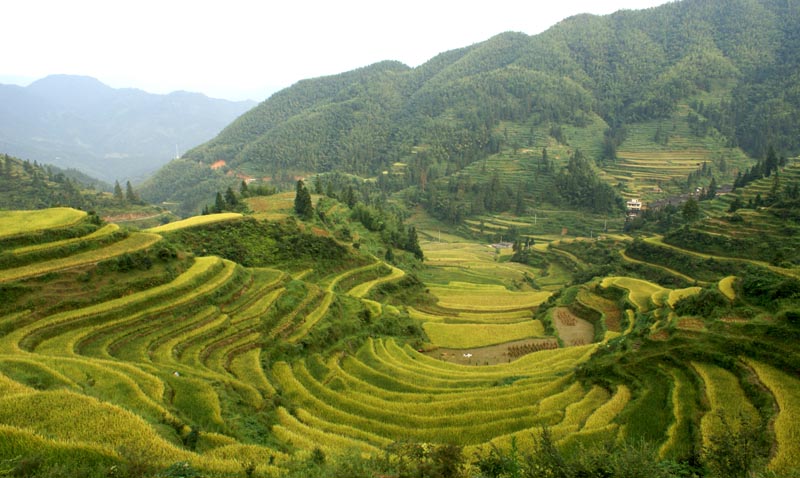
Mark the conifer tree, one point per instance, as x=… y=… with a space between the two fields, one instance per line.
x=302 y=201
x=230 y=198
x=412 y=243
x=130 y=194
x=219 y=203
x=118 y=196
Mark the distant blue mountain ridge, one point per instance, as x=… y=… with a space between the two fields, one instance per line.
x=111 y=134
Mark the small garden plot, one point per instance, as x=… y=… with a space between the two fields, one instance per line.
x=20 y=222
x=463 y=336
x=196 y=221
x=572 y=329
x=612 y=315
x=272 y=207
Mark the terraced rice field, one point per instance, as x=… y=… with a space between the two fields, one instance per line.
x=13 y=223
x=645 y=166
x=135 y=242
x=726 y=287
x=486 y=298
x=643 y=294
x=463 y=336
x=196 y=221
x=140 y=373
x=388 y=393
x=786 y=390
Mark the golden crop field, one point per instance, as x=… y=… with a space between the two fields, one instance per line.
x=640 y=291
x=196 y=221
x=463 y=336
x=489 y=299
x=135 y=242
x=726 y=287
x=678 y=294
x=786 y=390
x=725 y=396
x=13 y=223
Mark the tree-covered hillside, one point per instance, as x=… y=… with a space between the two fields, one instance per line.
x=725 y=71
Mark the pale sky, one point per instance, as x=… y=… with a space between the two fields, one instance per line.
x=239 y=49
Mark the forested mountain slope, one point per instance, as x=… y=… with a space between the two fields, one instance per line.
x=724 y=69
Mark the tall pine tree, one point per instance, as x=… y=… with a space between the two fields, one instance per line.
x=302 y=201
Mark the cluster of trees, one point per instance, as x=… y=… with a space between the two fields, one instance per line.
x=762 y=169
x=579 y=186
x=369 y=206
x=463 y=196
x=230 y=201
x=129 y=197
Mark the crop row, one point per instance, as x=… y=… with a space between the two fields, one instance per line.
x=726 y=400
x=196 y=221
x=120 y=309
x=463 y=336
x=786 y=390
x=16 y=223
x=133 y=243
x=52 y=250
x=470 y=426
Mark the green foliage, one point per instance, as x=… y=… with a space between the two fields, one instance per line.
x=736 y=451
x=580 y=187
x=768 y=289
x=709 y=303
x=255 y=243
x=710 y=269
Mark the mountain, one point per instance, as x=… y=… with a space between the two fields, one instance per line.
x=79 y=122
x=696 y=71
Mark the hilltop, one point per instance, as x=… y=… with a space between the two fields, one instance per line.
x=112 y=134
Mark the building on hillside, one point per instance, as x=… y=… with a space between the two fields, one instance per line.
x=633 y=208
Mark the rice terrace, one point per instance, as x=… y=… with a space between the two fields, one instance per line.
x=574 y=254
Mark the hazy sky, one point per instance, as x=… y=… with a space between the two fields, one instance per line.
x=239 y=49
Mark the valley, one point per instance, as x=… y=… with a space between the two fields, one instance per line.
x=572 y=254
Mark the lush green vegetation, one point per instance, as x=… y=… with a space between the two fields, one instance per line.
x=463 y=297
x=296 y=362
x=646 y=95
